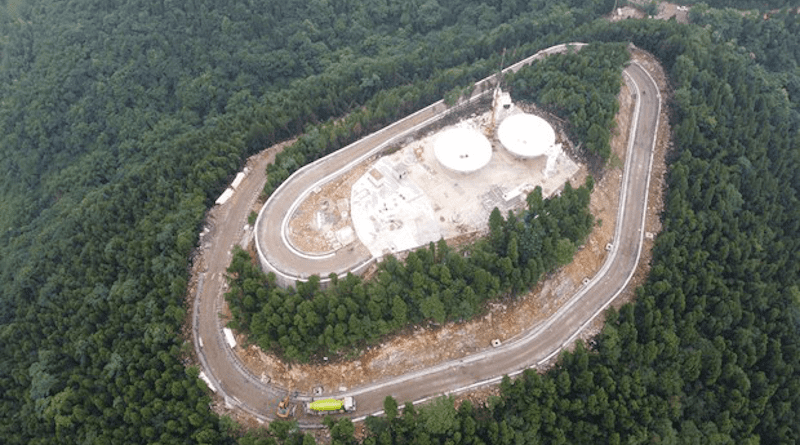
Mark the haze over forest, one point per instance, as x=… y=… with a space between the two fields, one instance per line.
x=122 y=121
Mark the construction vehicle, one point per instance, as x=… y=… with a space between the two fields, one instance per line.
x=331 y=406
x=285 y=409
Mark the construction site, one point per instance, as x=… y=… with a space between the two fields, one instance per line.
x=442 y=184
x=420 y=361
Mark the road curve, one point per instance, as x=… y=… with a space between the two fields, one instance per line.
x=241 y=389
x=275 y=251
x=547 y=339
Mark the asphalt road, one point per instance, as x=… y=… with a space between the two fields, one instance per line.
x=241 y=389
x=545 y=340
x=275 y=250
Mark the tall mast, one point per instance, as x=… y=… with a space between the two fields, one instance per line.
x=496 y=95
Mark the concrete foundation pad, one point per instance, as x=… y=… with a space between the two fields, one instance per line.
x=400 y=205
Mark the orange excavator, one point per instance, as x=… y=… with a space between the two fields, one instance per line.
x=285 y=408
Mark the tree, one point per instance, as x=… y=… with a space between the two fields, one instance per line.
x=341 y=431
x=512 y=250
x=440 y=417
x=399 y=311
x=390 y=408
x=496 y=223
x=433 y=308
x=535 y=201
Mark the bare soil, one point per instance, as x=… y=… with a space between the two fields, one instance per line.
x=656 y=192
x=626 y=12
x=666 y=11
x=419 y=347
x=325 y=211
x=198 y=261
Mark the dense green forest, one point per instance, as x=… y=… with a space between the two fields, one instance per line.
x=709 y=354
x=771 y=43
x=582 y=88
x=432 y=284
x=438 y=284
x=391 y=103
x=121 y=122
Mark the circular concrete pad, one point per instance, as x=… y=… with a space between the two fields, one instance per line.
x=526 y=135
x=463 y=150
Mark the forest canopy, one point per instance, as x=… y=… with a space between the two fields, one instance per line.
x=580 y=87
x=433 y=284
x=440 y=284
x=122 y=121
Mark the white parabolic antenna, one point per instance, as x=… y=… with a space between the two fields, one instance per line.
x=463 y=150
x=527 y=136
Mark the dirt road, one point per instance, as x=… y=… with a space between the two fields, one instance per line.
x=249 y=393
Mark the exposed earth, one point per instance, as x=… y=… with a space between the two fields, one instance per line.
x=666 y=11
x=422 y=346
x=405 y=199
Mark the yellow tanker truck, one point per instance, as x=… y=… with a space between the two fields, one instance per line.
x=331 y=406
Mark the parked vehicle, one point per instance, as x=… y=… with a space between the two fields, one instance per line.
x=285 y=409
x=331 y=406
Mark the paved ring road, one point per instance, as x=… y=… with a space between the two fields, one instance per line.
x=275 y=251
x=240 y=388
